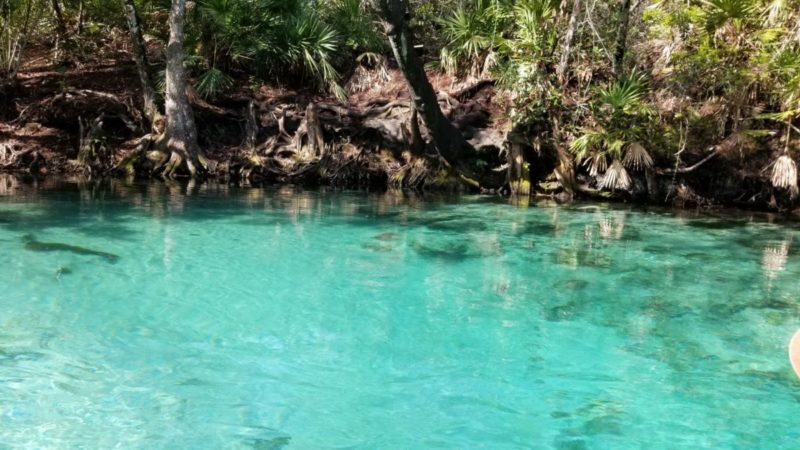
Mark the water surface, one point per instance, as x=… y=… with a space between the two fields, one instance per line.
x=283 y=319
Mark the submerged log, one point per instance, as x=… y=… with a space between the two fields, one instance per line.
x=32 y=244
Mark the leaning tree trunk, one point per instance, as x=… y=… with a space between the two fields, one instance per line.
x=621 y=44
x=447 y=139
x=569 y=37
x=180 y=135
x=150 y=107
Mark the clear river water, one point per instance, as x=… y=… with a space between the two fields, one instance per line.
x=161 y=316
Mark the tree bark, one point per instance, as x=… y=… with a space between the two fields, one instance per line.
x=621 y=43
x=565 y=172
x=569 y=37
x=518 y=172
x=149 y=106
x=447 y=139
x=80 y=17
x=61 y=25
x=180 y=135
x=22 y=41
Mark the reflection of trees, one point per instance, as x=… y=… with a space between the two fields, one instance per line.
x=9 y=185
x=611 y=224
x=114 y=199
x=774 y=259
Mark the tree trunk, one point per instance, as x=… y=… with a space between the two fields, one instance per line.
x=565 y=171
x=22 y=41
x=621 y=43
x=180 y=135
x=80 y=17
x=150 y=107
x=569 y=37
x=518 y=174
x=447 y=139
x=61 y=25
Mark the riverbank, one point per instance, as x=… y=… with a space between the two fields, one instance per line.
x=54 y=115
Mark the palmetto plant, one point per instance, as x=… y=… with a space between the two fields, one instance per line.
x=266 y=37
x=787 y=68
x=473 y=32
x=355 y=22
x=622 y=123
x=500 y=35
x=718 y=12
x=212 y=82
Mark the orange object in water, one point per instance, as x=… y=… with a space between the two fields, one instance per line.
x=794 y=352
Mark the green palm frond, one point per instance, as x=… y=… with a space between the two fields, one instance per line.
x=473 y=33
x=587 y=143
x=271 y=37
x=213 y=82
x=718 y=12
x=624 y=95
x=467 y=34
x=529 y=19
x=353 y=20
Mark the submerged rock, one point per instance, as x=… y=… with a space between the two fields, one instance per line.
x=63 y=271
x=377 y=247
x=276 y=443
x=572 y=284
x=453 y=250
x=605 y=424
x=582 y=257
x=535 y=228
x=716 y=224
x=460 y=225
x=450 y=222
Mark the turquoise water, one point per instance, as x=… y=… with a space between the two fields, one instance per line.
x=282 y=319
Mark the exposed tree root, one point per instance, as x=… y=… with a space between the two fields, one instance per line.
x=28 y=159
x=335 y=144
x=178 y=161
x=95 y=156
